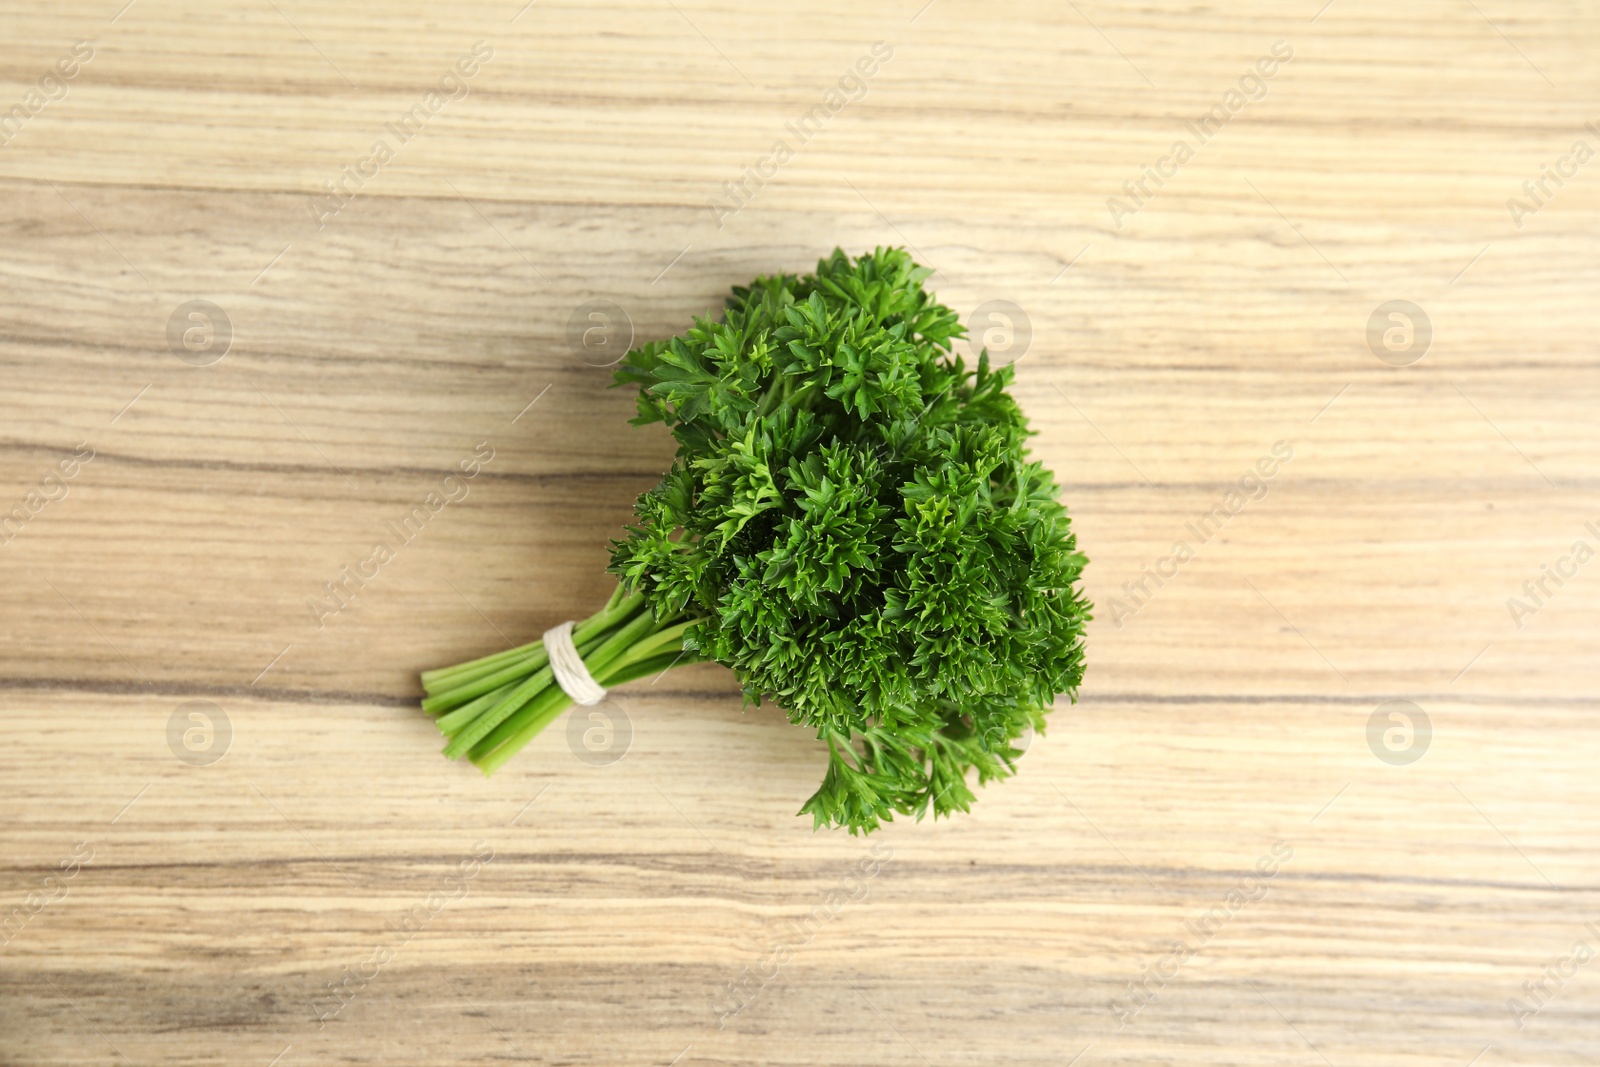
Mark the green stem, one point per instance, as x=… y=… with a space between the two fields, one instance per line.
x=467 y=712
x=535 y=713
x=553 y=701
x=622 y=675
x=493 y=706
x=451 y=682
x=535 y=658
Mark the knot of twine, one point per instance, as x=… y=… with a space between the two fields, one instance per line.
x=568 y=667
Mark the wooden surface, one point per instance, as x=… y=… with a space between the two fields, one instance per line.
x=211 y=907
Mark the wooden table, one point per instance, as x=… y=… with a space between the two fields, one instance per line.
x=1430 y=875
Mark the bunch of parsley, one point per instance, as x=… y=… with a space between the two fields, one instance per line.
x=851 y=525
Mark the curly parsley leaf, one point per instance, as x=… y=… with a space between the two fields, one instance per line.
x=855 y=524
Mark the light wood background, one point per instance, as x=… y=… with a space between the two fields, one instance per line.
x=370 y=355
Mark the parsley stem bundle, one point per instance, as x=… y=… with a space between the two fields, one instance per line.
x=851 y=525
x=491 y=707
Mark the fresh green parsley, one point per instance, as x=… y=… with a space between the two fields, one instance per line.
x=851 y=525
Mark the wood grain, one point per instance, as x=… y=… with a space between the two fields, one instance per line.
x=211 y=907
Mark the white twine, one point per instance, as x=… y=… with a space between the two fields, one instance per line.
x=568 y=667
